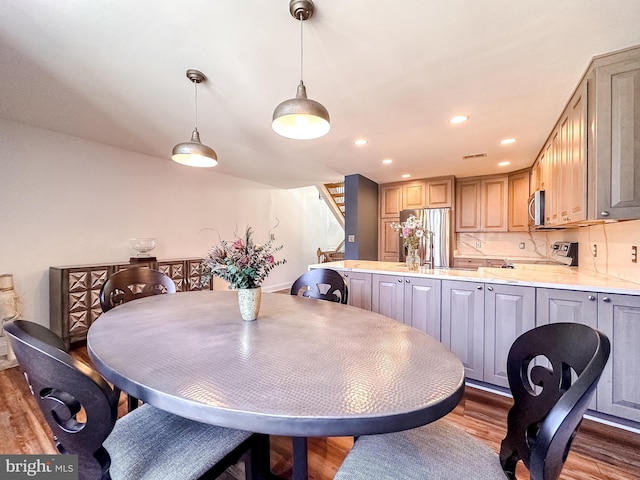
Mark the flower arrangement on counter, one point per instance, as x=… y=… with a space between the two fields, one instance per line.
x=242 y=263
x=411 y=230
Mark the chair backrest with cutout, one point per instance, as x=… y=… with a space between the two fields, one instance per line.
x=133 y=283
x=323 y=284
x=553 y=371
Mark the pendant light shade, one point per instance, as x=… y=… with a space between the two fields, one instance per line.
x=301 y=118
x=194 y=153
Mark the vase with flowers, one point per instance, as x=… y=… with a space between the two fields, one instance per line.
x=412 y=231
x=244 y=265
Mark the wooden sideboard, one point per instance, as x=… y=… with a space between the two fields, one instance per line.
x=74 y=302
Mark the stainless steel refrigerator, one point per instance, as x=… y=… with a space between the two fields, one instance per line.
x=436 y=249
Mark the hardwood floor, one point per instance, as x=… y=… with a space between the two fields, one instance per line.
x=599 y=452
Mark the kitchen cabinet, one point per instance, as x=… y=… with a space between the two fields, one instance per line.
x=390 y=200
x=482 y=204
x=389 y=240
x=359 y=288
x=509 y=311
x=415 y=301
x=462 y=325
x=413 y=195
x=618 y=392
x=554 y=305
x=614 y=149
x=518 y=208
x=439 y=192
x=387 y=297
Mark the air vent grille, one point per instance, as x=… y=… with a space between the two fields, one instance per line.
x=475 y=155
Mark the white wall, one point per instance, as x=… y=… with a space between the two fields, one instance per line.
x=66 y=201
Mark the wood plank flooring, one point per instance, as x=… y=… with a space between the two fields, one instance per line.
x=599 y=452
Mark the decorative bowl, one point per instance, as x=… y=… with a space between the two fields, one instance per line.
x=143 y=245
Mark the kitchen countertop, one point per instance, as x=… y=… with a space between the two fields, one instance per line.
x=533 y=275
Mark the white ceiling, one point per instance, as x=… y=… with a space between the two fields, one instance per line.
x=113 y=71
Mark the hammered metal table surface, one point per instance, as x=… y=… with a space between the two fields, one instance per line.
x=304 y=368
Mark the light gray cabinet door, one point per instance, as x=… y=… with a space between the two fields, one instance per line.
x=617 y=155
x=359 y=285
x=422 y=297
x=554 y=306
x=463 y=323
x=387 y=296
x=619 y=389
x=509 y=311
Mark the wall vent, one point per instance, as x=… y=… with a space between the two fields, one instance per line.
x=475 y=155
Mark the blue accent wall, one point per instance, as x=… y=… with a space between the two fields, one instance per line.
x=361 y=218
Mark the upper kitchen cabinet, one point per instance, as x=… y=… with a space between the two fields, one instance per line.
x=590 y=165
x=390 y=200
x=439 y=192
x=518 y=201
x=413 y=195
x=482 y=204
x=614 y=136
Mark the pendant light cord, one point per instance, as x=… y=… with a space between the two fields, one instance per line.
x=195 y=84
x=301 y=17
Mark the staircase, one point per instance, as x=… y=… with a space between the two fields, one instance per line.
x=333 y=195
x=336 y=190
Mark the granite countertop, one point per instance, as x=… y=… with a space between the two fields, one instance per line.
x=533 y=275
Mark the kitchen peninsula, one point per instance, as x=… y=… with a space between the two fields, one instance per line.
x=478 y=314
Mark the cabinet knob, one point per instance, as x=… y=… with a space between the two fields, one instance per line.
x=407 y=280
x=479 y=287
x=346 y=274
x=399 y=280
x=604 y=214
x=606 y=299
x=591 y=297
x=490 y=288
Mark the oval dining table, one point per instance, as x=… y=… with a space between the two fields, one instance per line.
x=304 y=368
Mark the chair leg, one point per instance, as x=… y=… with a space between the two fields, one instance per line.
x=257 y=466
x=132 y=403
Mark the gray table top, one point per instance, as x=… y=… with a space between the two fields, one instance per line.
x=304 y=368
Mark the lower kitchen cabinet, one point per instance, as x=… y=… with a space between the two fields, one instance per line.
x=422 y=304
x=415 y=301
x=463 y=324
x=509 y=311
x=618 y=392
x=387 y=296
x=359 y=289
x=554 y=306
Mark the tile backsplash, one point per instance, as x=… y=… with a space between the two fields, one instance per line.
x=613 y=241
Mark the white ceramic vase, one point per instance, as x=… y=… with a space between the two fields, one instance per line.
x=249 y=302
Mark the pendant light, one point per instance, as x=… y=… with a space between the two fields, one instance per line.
x=194 y=153
x=301 y=118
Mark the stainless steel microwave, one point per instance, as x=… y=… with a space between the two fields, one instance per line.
x=536 y=209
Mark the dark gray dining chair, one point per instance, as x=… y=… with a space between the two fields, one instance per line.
x=131 y=284
x=81 y=409
x=322 y=284
x=549 y=403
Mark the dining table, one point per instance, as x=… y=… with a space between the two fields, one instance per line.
x=305 y=368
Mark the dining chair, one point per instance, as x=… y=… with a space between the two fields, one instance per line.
x=131 y=284
x=81 y=409
x=553 y=371
x=323 y=284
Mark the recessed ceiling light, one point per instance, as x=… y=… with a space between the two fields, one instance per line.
x=405 y=175
x=387 y=161
x=360 y=141
x=504 y=164
x=459 y=119
x=508 y=141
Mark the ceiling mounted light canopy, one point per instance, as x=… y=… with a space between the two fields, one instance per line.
x=194 y=153
x=301 y=118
